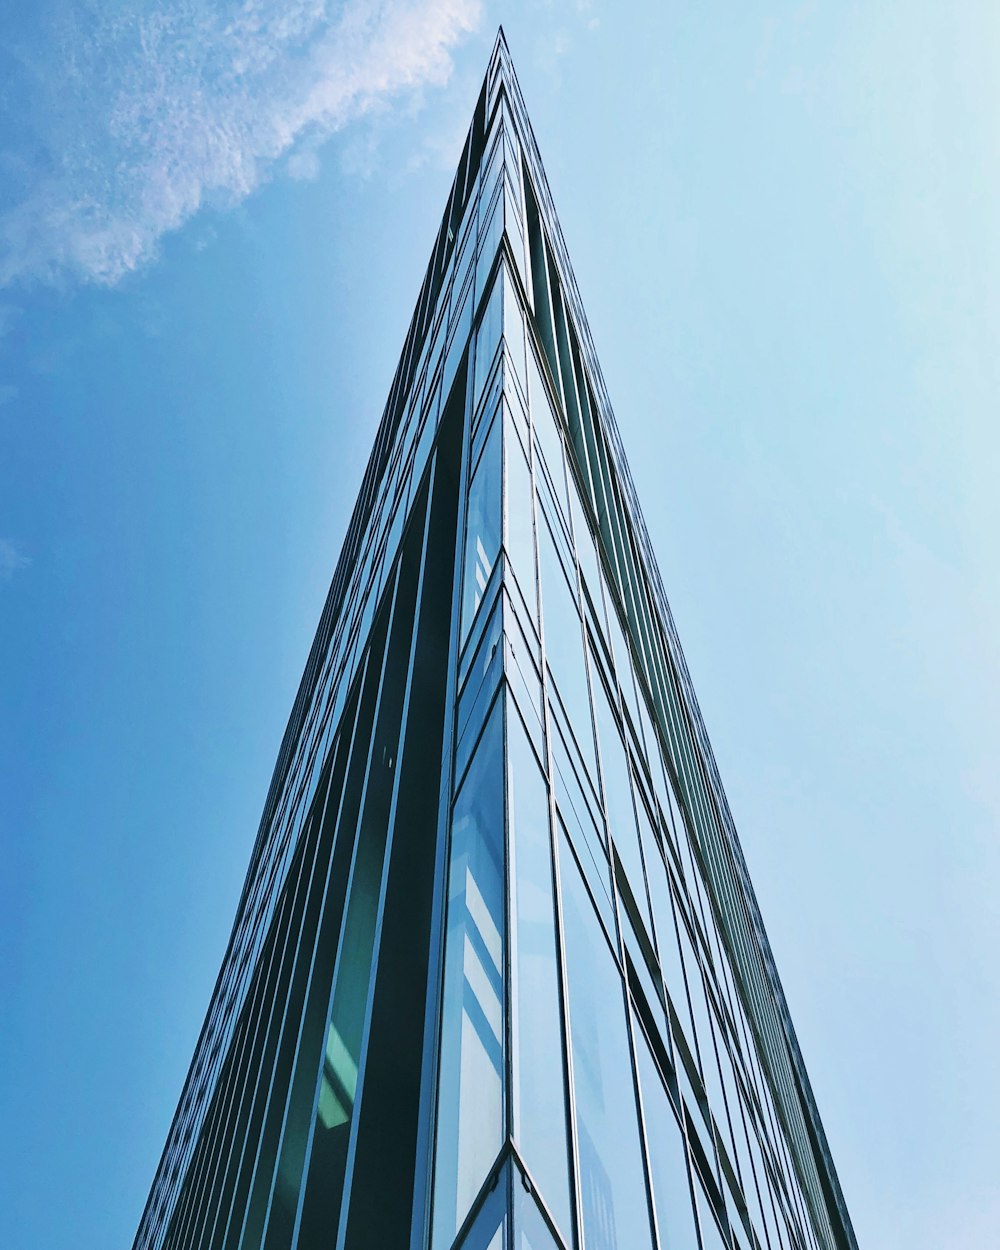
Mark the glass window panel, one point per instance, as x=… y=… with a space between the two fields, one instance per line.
x=663 y=923
x=459 y=343
x=564 y=642
x=515 y=232
x=487 y=1231
x=530 y=1230
x=544 y=424
x=711 y=1237
x=622 y=656
x=523 y=673
x=478 y=704
x=487 y=340
x=513 y=329
x=667 y=1155
x=493 y=172
x=482 y=536
x=636 y=952
x=470 y=1091
x=582 y=831
x=613 y=1197
x=478 y=666
x=489 y=242
x=466 y=256
x=706 y=1045
x=520 y=537
x=618 y=797
x=585 y=549
x=539 y=1082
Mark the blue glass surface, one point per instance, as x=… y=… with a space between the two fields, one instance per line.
x=612 y=1189
x=540 y=1125
x=667 y=1155
x=470 y=1095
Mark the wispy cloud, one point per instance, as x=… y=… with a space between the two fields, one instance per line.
x=130 y=117
x=11 y=560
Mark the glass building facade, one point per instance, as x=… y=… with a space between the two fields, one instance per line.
x=498 y=979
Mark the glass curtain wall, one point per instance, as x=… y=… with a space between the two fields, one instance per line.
x=495 y=982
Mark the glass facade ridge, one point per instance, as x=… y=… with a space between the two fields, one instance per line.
x=498 y=978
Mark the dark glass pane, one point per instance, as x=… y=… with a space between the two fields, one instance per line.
x=615 y=1212
x=539 y=1086
x=470 y=1093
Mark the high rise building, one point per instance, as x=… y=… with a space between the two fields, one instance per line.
x=498 y=977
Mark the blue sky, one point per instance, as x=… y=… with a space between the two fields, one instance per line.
x=213 y=224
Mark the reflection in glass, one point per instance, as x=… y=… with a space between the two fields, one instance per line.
x=667 y=1155
x=520 y=543
x=470 y=1093
x=530 y=1230
x=539 y=1082
x=564 y=641
x=618 y=796
x=482 y=534
x=544 y=424
x=711 y=1236
x=613 y=1197
x=487 y=339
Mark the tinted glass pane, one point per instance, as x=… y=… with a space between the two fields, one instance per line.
x=667 y=1156
x=470 y=1097
x=615 y=1213
x=539 y=1089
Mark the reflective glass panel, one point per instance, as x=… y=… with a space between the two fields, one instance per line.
x=539 y=1080
x=564 y=641
x=470 y=1092
x=520 y=538
x=482 y=534
x=667 y=1155
x=613 y=1196
x=618 y=796
x=530 y=1230
x=487 y=339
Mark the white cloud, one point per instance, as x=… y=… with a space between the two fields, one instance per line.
x=11 y=560
x=136 y=115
